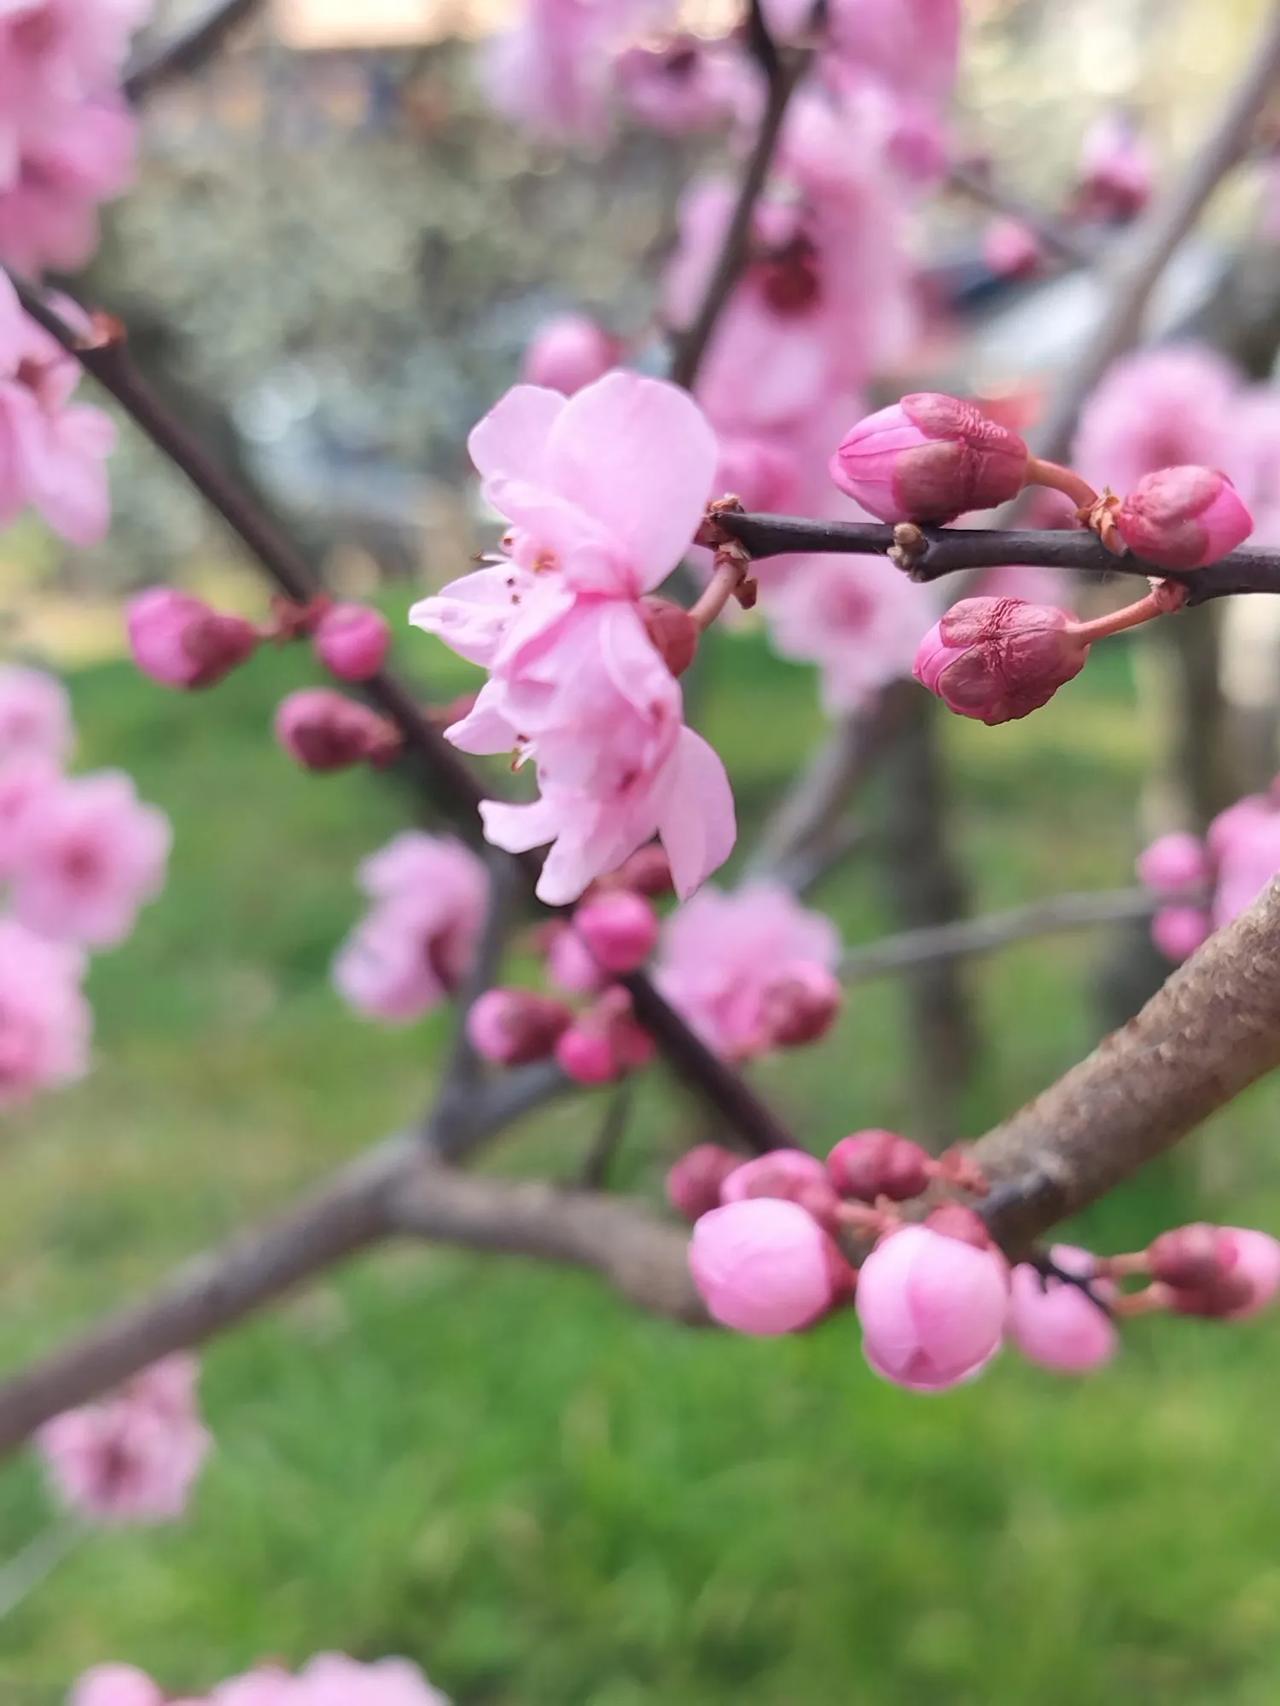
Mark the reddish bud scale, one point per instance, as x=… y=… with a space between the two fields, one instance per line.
x=868 y=1165
x=181 y=642
x=324 y=731
x=671 y=630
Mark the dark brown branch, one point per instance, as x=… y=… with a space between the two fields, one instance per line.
x=1156 y=238
x=188 y=49
x=787 y=68
x=440 y=770
x=1204 y=1037
x=954 y=550
x=968 y=936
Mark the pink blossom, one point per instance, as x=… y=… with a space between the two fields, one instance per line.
x=998 y=659
x=620 y=929
x=605 y=1042
x=1054 y=1323
x=723 y=954
x=513 y=1026
x=45 y=1021
x=1178 y=931
x=352 y=641
x=417 y=942
x=932 y=1308
x=89 y=854
x=84 y=156
x=858 y=619
x=323 y=730
x=133 y=1456
x=693 y=1182
x=684 y=85
x=1248 y=1280
x=1174 y=863
x=765 y=1266
x=782 y=1173
x=1011 y=249
x=332 y=1679
x=180 y=641
x=604 y=492
x=1158 y=409
x=912 y=45
x=800 y=1005
x=568 y=352
x=1238 y=822
x=115 y=1685
x=876 y=1163
x=35 y=715
x=1247 y=864
x=1183 y=518
x=929 y=457
x=23 y=780
x=1116 y=173
x=52 y=451
x=571 y=965
x=551 y=71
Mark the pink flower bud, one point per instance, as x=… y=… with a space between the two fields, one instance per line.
x=1116 y=175
x=605 y=1042
x=1191 y=1257
x=352 y=641
x=1183 y=518
x=932 y=1308
x=998 y=659
x=567 y=353
x=620 y=929
x=571 y=965
x=765 y=1266
x=180 y=642
x=115 y=1685
x=671 y=630
x=1248 y=1282
x=323 y=730
x=801 y=1006
x=585 y=1056
x=781 y=1173
x=647 y=871
x=1238 y=823
x=694 y=1181
x=1173 y=864
x=929 y=458
x=958 y=1220
x=871 y=1164
x=1011 y=249
x=1178 y=931
x=511 y=1027
x=1055 y=1324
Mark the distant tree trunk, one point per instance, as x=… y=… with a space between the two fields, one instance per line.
x=925 y=886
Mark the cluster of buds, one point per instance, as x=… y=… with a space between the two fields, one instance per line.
x=1204 y=884
x=931 y=458
x=935 y=1299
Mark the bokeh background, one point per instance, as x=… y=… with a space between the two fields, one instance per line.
x=334 y=257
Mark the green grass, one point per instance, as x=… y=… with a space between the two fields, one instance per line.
x=501 y=1471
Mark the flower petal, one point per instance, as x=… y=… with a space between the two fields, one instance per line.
x=696 y=818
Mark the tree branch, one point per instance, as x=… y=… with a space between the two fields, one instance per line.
x=984 y=935
x=187 y=50
x=1051 y=234
x=939 y=551
x=1157 y=236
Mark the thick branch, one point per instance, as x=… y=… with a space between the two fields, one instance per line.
x=188 y=49
x=967 y=936
x=1157 y=237
x=954 y=550
x=1207 y=1034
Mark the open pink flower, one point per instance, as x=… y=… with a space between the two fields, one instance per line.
x=603 y=492
x=89 y=854
x=45 y=1021
x=1159 y=409
x=23 y=780
x=67 y=168
x=932 y=1308
x=133 y=1456
x=35 y=715
x=417 y=941
x=723 y=956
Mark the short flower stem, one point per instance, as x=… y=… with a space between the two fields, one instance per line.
x=1060 y=479
x=1132 y=616
x=1146 y=1302
x=724 y=582
x=1132 y=1264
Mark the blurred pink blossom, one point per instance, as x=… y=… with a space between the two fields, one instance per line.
x=35 y=715
x=932 y=1308
x=1053 y=1323
x=45 y=1021
x=568 y=352
x=765 y=1266
x=115 y=1685
x=1159 y=409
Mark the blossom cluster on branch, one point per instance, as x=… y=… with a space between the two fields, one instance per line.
x=329 y=1679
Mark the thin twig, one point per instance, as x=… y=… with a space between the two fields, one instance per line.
x=941 y=551
x=188 y=49
x=598 y=1161
x=1157 y=236
x=969 y=936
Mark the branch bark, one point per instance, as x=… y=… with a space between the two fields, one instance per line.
x=187 y=50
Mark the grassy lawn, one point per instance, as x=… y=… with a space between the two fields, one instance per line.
x=499 y=1470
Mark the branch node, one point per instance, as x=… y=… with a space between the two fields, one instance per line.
x=909 y=549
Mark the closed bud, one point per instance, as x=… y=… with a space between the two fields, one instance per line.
x=324 y=731
x=605 y=1042
x=1196 y=1255
x=1055 y=1323
x=1178 y=931
x=1174 y=863
x=672 y=632
x=765 y=1266
x=871 y=1164
x=932 y=1308
x=568 y=352
x=1183 y=518
x=647 y=871
x=181 y=642
x=929 y=457
x=620 y=929
x=694 y=1181
x=956 y=1220
x=511 y=1027
x=352 y=641
x=1225 y=1271
x=998 y=659
x=800 y=1006
x=790 y=1174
